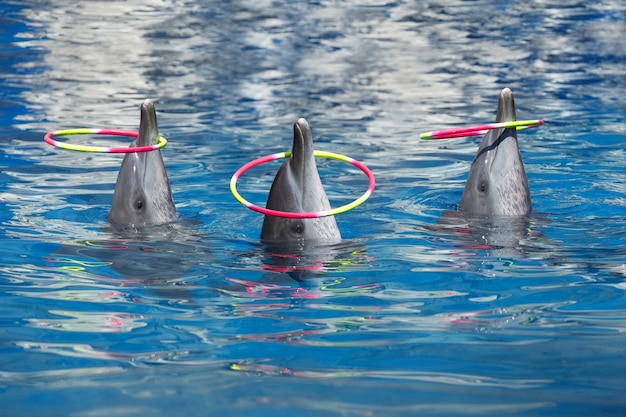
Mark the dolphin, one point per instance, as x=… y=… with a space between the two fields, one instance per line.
x=297 y=188
x=142 y=196
x=497 y=183
x=495 y=206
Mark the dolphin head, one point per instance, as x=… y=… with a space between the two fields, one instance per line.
x=297 y=188
x=142 y=196
x=497 y=182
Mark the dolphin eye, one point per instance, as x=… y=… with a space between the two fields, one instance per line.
x=297 y=228
x=139 y=204
x=482 y=186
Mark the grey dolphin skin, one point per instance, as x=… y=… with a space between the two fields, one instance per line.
x=142 y=196
x=497 y=182
x=297 y=188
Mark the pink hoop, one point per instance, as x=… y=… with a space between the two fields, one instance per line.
x=302 y=215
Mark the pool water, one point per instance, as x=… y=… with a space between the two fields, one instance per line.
x=412 y=313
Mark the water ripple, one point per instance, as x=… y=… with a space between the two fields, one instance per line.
x=92 y=322
x=440 y=378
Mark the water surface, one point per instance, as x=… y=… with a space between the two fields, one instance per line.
x=408 y=315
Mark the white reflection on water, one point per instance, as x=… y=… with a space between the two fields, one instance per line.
x=392 y=68
x=94 y=57
x=93 y=322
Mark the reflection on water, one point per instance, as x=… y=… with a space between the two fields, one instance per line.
x=272 y=64
x=417 y=310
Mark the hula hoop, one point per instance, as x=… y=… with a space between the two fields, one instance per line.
x=302 y=215
x=461 y=132
x=161 y=141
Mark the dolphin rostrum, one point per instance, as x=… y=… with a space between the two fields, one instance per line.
x=497 y=182
x=142 y=196
x=297 y=188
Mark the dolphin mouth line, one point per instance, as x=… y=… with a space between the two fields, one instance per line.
x=144 y=166
x=491 y=147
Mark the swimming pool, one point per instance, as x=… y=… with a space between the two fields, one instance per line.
x=404 y=317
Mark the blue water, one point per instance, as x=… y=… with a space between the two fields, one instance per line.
x=406 y=316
